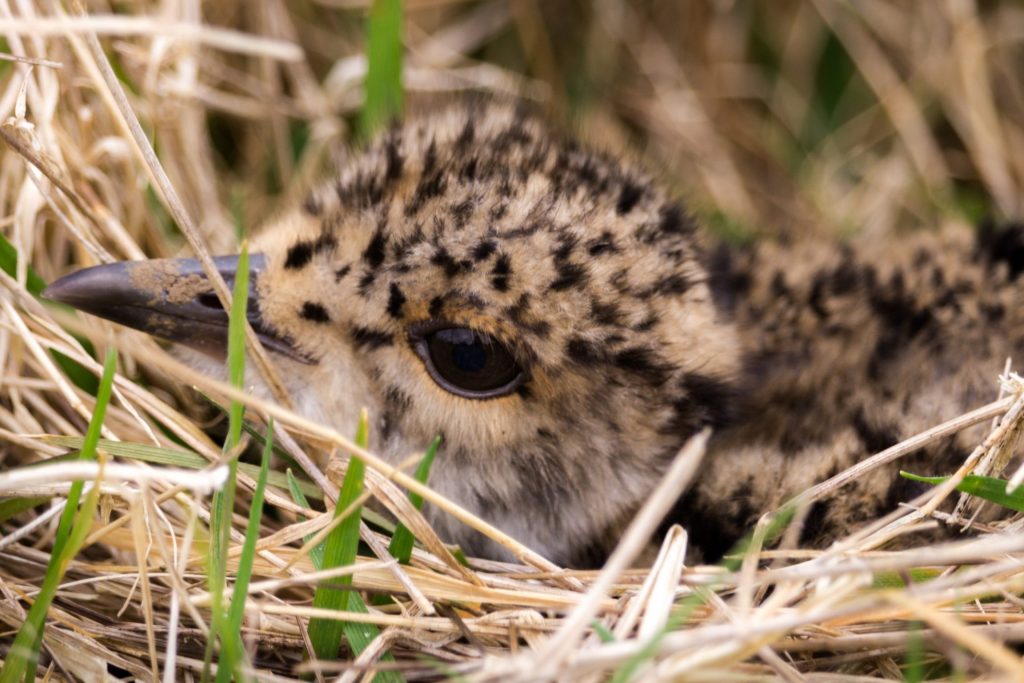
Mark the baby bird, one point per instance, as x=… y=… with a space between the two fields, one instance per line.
x=562 y=323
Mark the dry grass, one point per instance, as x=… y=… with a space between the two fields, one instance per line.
x=789 y=116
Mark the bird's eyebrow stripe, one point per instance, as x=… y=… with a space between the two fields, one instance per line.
x=370 y=338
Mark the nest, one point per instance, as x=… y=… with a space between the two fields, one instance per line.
x=245 y=107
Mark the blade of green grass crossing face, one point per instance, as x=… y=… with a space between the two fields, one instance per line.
x=233 y=652
x=359 y=636
x=224 y=500
x=401 y=542
x=24 y=653
x=356 y=639
x=383 y=85
x=236 y=345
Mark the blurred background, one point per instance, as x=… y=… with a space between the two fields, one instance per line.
x=771 y=118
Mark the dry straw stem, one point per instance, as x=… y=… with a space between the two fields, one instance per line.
x=177 y=209
x=931 y=114
x=116 y=25
x=548 y=661
x=16 y=482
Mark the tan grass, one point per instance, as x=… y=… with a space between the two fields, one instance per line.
x=81 y=184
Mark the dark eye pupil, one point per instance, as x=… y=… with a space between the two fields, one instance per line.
x=469 y=363
x=469 y=357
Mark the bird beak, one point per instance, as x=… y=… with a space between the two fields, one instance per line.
x=169 y=298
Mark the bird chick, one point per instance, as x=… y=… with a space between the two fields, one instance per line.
x=556 y=317
x=546 y=309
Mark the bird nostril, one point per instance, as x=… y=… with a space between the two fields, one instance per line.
x=209 y=300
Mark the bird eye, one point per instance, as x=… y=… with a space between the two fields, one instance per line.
x=468 y=363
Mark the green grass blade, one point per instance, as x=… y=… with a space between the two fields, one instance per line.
x=459 y=555
x=12 y=507
x=383 y=85
x=360 y=636
x=71 y=531
x=776 y=525
x=142 y=452
x=602 y=632
x=233 y=652
x=316 y=555
x=297 y=488
x=992 y=490
x=80 y=376
x=9 y=263
x=894 y=579
x=257 y=437
x=224 y=500
x=914 y=660
x=339 y=551
x=402 y=540
x=76 y=372
x=236 y=345
x=79 y=529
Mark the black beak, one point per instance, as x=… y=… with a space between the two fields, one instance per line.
x=169 y=298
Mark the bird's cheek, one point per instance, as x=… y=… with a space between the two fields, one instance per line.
x=200 y=361
x=306 y=384
x=333 y=391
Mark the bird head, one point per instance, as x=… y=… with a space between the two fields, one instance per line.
x=471 y=274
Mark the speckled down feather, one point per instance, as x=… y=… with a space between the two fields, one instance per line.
x=634 y=331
